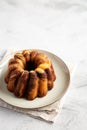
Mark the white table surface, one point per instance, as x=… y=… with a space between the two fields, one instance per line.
x=59 y=26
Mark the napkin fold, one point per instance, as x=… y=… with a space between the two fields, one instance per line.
x=48 y=113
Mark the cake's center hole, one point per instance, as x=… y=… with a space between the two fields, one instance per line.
x=30 y=66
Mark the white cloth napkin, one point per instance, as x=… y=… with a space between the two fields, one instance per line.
x=48 y=113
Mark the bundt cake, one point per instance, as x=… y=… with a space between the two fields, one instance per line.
x=30 y=74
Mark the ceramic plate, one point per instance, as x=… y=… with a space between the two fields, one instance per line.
x=60 y=86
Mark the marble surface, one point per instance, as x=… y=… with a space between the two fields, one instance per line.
x=59 y=26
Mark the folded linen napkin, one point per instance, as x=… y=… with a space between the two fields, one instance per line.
x=48 y=113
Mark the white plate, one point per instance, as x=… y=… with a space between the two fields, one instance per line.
x=60 y=86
